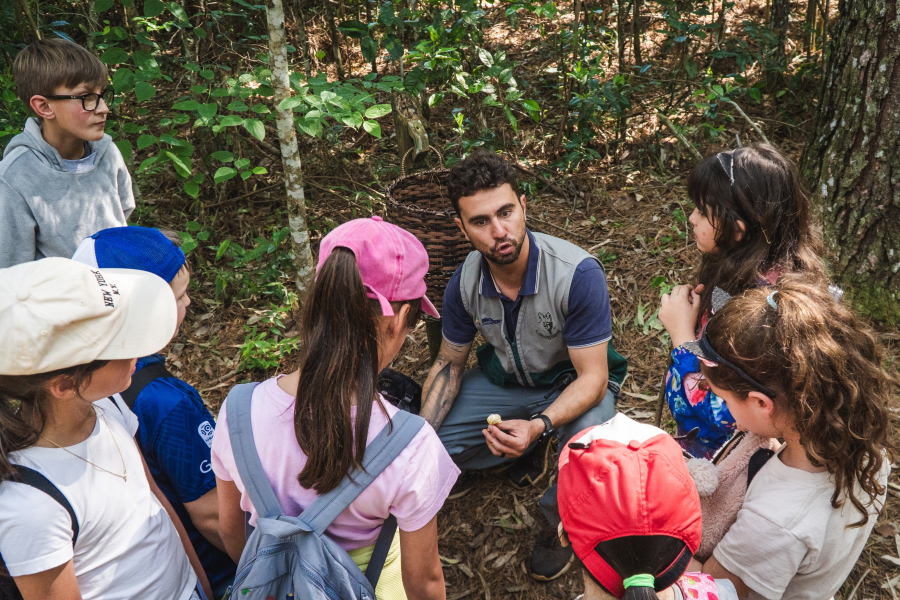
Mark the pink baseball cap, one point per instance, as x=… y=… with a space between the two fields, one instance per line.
x=392 y=262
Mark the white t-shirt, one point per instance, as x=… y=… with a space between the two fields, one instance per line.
x=788 y=541
x=127 y=546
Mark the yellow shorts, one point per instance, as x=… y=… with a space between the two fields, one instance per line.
x=390 y=584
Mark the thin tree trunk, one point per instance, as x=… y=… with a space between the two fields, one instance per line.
x=304 y=39
x=620 y=34
x=781 y=11
x=809 y=34
x=91 y=42
x=335 y=42
x=636 y=28
x=853 y=156
x=290 y=155
x=26 y=10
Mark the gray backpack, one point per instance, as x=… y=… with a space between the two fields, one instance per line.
x=290 y=558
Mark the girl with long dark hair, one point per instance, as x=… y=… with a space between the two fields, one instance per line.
x=752 y=224
x=312 y=427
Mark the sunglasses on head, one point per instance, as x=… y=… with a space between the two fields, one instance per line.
x=709 y=355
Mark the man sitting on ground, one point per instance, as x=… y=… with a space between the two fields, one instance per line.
x=543 y=306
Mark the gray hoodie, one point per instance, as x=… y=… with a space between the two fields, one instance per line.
x=46 y=210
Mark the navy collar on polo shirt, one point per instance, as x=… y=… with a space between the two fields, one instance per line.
x=529 y=286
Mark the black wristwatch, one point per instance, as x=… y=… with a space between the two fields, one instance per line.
x=548 y=424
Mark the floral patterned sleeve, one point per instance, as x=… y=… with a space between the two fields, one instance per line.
x=693 y=407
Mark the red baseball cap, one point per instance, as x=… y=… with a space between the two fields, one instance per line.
x=392 y=262
x=625 y=478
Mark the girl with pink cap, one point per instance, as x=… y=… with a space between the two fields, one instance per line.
x=311 y=427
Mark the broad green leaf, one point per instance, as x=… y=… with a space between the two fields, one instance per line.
x=369 y=48
x=186 y=105
x=255 y=127
x=223 y=155
x=512 y=119
x=353 y=120
x=147 y=162
x=485 y=57
x=188 y=243
x=435 y=99
x=259 y=170
x=124 y=147
x=208 y=111
x=260 y=109
x=183 y=168
x=237 y=106
x=192 y=226
x=123 y=80
x=288 y=103
x=373 y=128
x=245 y=175
x=242 y=163
x=102 y=5
x=192 y=67
x=198 y=178
x=378 y=111
x=531 y=105
x=354 y=29
x=153 y=8
x=191 y=189
x=145 y=141
x=206 y=74
x=224 y=174
x=200 y=32
x=392 y=44
x=144 y=91
x=223 y=247
x=755 y=94
x=311 y=127
x=177 y=12
x=230 y=120
x=114 y=56
x=718 y=89
x=145 y=61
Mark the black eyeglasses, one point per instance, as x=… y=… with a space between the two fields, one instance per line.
x=89 y=101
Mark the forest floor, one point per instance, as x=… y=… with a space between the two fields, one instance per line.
x=630 y=210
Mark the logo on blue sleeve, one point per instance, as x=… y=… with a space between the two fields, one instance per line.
x=206 y=432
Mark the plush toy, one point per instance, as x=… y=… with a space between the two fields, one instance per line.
x=723 y=482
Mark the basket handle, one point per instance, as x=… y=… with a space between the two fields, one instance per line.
x=403 y=162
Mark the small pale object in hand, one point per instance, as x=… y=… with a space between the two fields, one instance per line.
x=494 y=419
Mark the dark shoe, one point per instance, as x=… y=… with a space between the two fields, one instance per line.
x=529 y=469
x=549 y=559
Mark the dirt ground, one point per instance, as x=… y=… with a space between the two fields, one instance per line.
x=630 y=211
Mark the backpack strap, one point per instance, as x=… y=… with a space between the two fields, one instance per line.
x=33 y=478
x=380 y=551
x=140 y=380
x=386 y=446
x=757 y=462
x=246 y=459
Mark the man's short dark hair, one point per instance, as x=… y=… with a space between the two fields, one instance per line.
x=481 y=170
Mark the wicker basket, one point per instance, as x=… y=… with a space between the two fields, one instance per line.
x=419 y=203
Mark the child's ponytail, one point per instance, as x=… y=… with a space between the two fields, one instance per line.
x=639 y=587
x=825 y=366
x=338 y=367
x=24 y=409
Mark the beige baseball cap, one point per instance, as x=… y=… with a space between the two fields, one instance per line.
x=57 y=313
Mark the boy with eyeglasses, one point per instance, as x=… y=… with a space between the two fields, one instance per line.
x=62 y=179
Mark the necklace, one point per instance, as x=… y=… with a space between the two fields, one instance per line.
x=124 y=474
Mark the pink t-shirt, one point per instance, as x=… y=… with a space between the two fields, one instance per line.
x=412 y=488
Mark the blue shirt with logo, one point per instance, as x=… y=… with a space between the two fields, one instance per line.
x=588 y=323
x=175 y=435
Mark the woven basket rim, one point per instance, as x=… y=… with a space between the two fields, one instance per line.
x=411 y=207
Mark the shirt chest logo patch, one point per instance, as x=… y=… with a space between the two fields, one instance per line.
x=546 y=322
x=206 y=432
x=488 y=321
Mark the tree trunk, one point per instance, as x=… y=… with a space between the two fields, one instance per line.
x=852 y=159
x=781 y=12
x=290 y=156
x=304 y=39
x=809 y=35
x=335 y=41
x=636 y=28
x=621 y=15
x=26 y=10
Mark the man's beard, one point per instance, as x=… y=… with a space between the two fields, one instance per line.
x=509 y=258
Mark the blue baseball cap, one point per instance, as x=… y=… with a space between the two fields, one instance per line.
x=140 y=248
